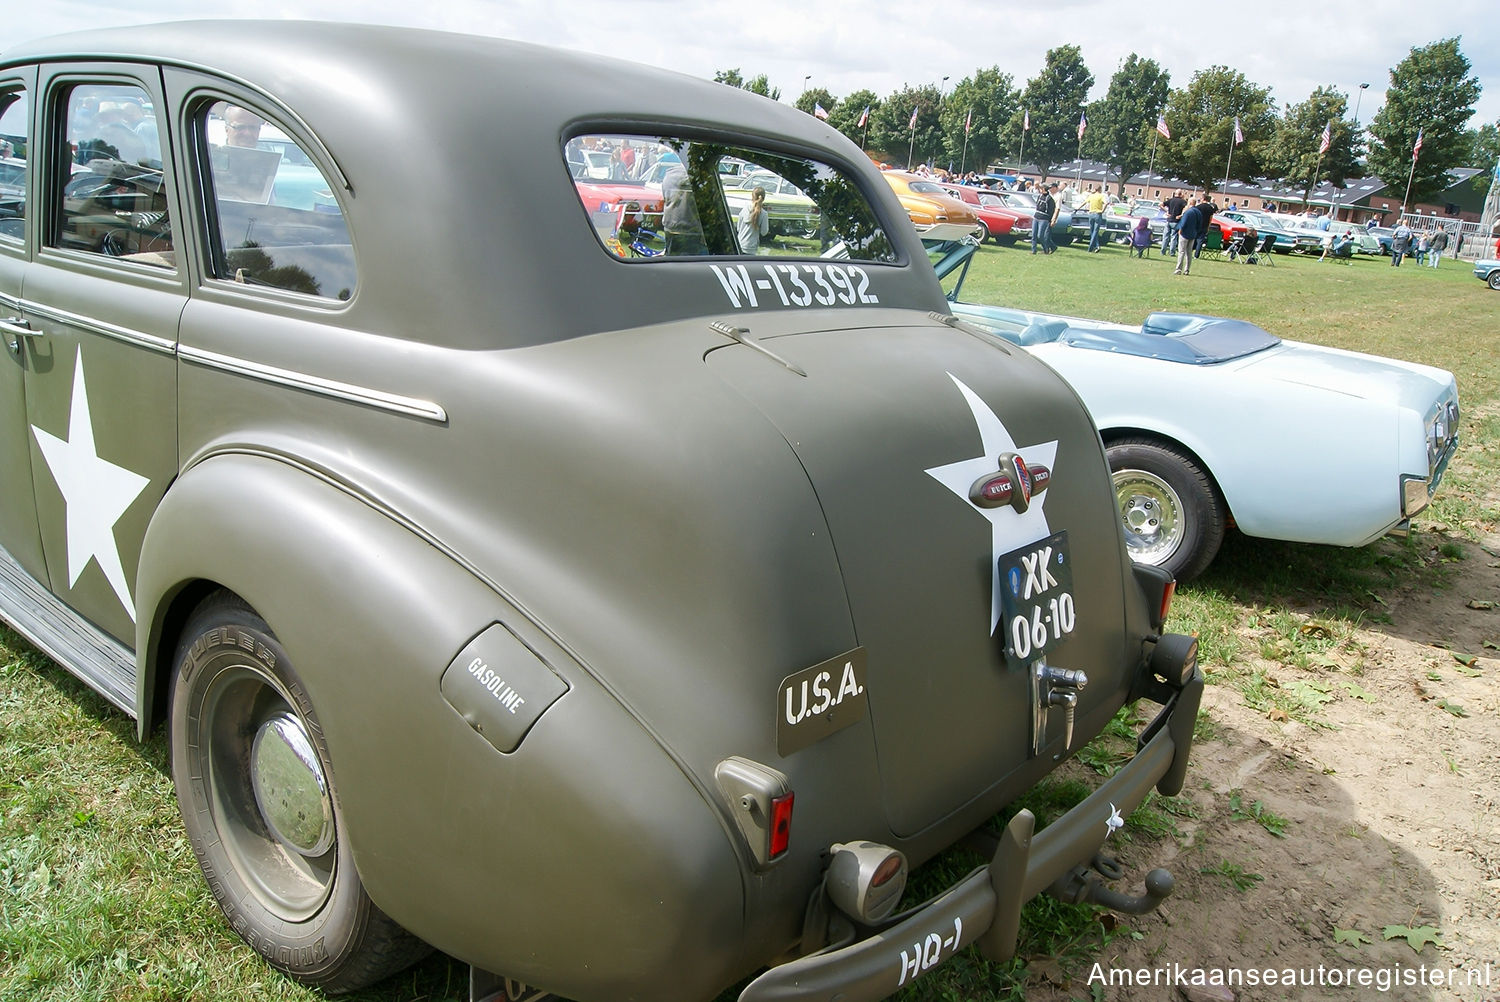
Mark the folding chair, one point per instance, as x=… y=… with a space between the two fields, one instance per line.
x=1264 y=255
x=1214 y=245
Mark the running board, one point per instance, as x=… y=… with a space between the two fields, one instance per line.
x=101 y=661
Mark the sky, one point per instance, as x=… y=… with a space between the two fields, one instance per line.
x=1291 y=46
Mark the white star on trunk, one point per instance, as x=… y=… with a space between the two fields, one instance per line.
x=95 y=492
x=1008 y=527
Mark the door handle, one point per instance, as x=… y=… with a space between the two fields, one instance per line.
x=15 y=329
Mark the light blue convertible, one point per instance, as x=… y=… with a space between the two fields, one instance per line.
x=1210 y=422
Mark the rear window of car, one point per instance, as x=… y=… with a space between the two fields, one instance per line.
x=664 y=198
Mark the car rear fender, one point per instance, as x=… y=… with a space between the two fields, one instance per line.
x=448 y=830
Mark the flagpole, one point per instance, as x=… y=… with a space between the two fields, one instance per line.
x=1409 y=175
x=1021 y=151
x=1229 y=161
x=911 y=148
x=964 y=156
x=1151 y=165
x=1317 y=169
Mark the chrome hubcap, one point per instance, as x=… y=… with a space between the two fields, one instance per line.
x=290 y=788
x=1152 y=514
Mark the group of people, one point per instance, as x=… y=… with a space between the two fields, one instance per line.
x=1427 y=246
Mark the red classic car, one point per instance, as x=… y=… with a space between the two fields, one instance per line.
x=997 y=217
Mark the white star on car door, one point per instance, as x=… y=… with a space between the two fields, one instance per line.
x=95 y=491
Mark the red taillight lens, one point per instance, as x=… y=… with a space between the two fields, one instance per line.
x=1166 y=599
x=781 y=824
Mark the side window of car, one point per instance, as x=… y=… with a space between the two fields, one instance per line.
x=275 y=220
x=13 y=152
x=113 y=194
x=663 y=198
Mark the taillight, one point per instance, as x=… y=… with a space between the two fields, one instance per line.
x=781 y=824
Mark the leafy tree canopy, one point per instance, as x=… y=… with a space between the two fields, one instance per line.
x=1054 y=98
x=1431 y=92
x=758 y=85
x=891 y=132
x=984 y=104
x=1201 y=117
x=1122 y=124
x=1293 y=156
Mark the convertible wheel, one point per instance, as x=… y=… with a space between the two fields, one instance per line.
x=257 y=798
x=1494 y=279
x=1172 y=512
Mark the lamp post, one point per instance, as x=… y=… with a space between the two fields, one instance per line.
x=804 y=82
x=1357 y=99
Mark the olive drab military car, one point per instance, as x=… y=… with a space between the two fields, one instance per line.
x=547 y=580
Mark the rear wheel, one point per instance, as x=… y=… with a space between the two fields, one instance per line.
x=1171 y=511
x=1494 y=279
x=251 y=771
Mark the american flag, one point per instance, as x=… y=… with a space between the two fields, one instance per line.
x=969 y=122
x=864 y=117
x=819 y=111
x=1327 y=139
x=1083 y=123
x=1417 y=146
x=1161 y=126
x=1239 y=137
x=913 y=123
x=1026 y=121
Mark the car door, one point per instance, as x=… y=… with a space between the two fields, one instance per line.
x=18 y=529
x=103 y=294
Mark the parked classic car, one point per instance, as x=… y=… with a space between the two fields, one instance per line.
x=996 y=219
x=1190 y=458
x=1487 y=270
x=622 y=625
x=790 y=212
x=934 y=212
x=1288 y=239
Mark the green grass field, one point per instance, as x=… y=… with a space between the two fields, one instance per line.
x=100 y=898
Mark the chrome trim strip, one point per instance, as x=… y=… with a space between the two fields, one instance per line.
x=139 y=338
x=408 y=406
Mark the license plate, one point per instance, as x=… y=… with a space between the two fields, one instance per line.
x=1036 y=599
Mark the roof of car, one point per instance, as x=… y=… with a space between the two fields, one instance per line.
x=442 y=123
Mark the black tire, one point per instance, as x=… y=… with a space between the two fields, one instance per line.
x=982 y=231
x=244 y=733
x=1170 y=509
x=1494 y=280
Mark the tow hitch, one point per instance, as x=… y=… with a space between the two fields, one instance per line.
x=1083 y=884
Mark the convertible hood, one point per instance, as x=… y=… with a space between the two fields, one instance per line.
x=893 y=424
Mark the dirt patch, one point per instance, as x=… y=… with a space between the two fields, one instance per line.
x=1342 y=844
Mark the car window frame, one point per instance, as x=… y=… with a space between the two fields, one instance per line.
x=24 y=79
x=199 y=91
x=746 y=139
x=53 y=84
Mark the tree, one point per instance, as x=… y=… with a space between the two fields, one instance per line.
x=1202 y=117
x=1484 y=153
x=985 y=103
x=811 y=98
x=1293 y=156
x=846 y=116
x=1123 y=122
x=1054 y=98
x=890 y=126
x=762 y=85
x=759 y=85
x=1431 y=94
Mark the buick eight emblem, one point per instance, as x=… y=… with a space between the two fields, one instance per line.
x=1013 y=484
